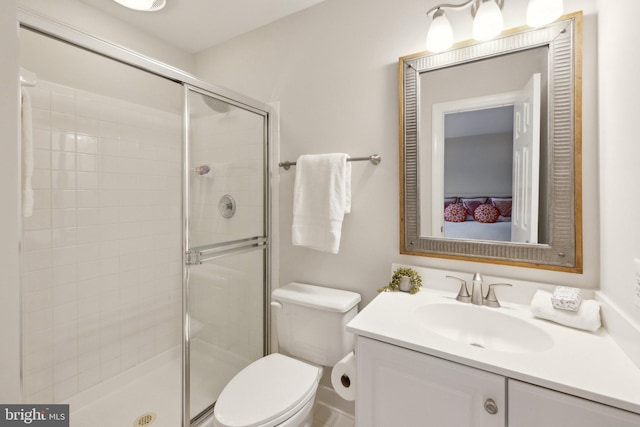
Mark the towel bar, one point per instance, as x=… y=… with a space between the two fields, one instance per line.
x=374 y=158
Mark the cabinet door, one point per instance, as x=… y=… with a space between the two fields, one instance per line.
x=533 y=406
x=399 y=387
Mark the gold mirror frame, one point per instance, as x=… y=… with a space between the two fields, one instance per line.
x=563 y=252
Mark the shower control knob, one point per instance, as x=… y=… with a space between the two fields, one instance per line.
x=490 y=406
x=227 y=206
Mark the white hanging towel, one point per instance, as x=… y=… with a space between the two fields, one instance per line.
x=26 y=136
x=321 y=197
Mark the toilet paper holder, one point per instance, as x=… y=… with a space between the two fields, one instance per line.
x=345 y=380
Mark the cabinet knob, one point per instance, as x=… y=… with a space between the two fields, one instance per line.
x=490 y=406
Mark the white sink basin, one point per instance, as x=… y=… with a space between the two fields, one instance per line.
x=483 y=327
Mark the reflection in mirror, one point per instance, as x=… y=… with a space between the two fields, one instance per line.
x=490 y=149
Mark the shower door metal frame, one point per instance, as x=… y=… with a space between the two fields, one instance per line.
x=37 y=22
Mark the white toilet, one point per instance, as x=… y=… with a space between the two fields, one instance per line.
x=279 y=389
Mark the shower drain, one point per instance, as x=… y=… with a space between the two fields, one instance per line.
x=145 y=419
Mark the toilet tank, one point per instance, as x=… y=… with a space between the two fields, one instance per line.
x=311 y=322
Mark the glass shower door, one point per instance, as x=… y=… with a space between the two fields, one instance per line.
x=226 y=244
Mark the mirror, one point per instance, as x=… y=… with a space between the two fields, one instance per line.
x=491 y=148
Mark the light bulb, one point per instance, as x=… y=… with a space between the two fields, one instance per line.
x=488 y=21
x=541 y=12
x=143 y=5
x=440 y=34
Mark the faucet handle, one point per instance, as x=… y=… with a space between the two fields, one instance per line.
x=463 y=293
x=490 y=299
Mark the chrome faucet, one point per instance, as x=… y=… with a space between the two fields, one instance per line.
x=476 y=290
x=477 y=297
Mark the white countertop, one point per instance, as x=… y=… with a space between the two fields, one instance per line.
x=584 y=364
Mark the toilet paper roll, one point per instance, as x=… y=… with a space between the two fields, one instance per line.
x=343 y=377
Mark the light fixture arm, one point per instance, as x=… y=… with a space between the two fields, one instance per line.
x=473 y=4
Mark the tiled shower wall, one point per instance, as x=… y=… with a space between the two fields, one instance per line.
x=102 y=252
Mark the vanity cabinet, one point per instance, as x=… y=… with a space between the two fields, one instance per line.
x=400 y=387
x=533 y=406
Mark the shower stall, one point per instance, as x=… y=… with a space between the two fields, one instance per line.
x=145 y=249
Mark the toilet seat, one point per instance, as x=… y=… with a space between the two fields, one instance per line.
x=267 y=392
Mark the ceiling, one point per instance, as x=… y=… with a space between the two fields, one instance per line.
x=195 y=25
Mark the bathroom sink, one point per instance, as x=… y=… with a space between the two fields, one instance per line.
x=483 y=327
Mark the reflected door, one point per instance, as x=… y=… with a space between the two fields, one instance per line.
x=526 y=162
x=226 y=243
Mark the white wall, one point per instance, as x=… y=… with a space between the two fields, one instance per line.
x=619 y=92
x=9 y=220
x=333 y=68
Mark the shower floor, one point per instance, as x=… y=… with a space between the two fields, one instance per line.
x=154 y=386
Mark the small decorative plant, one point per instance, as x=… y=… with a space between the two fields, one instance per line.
x=395 y=284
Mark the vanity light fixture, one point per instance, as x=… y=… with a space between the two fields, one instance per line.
x=487 y=22
x=143 y=5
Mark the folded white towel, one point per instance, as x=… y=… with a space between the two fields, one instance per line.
x=321 y=197
x=26 y=135
x=587 y=317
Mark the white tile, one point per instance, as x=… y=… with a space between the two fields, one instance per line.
x=65 y=275
x=39 y=320
x=40 y=359
x=63 y=237
x=89 y=359
x=37 y=260
x=36 y=240
x=65 y=370
x=39 y=341
x=88 y=270
x=40 y=220
x=87 y=126
x=42 y=199
x=37 y=300
x=110 y=368
x=63 y=218
x=88 y=216
x=64 y=294
x=63 y=180
x=63 y=141
x=41 y=159
x=65 y=316
x=87 y=163
x=61 y=160
x=88 y=198
x=37 y=381
x=63 y=199
x=108 y=146
x=88 y=235
x=64 y=256
x=88 y=180
x=87 y=144
x=41 y=179
x=63 y=122
x=88 y=252
x=65 y=389
x=42 y=138
x=88 y=378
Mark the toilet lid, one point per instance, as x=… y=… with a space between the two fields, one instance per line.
x=265 y=391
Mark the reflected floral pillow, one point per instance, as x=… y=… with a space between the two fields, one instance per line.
x=455 y=212
x=486 y=213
